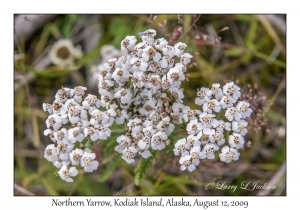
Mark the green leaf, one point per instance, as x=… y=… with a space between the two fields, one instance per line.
x=235 y=52
x=89 y=144
x=141 y=169
x=56 y=172
x=221 y=115
x=226 y=135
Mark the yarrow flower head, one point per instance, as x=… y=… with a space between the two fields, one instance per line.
x=63 y=53
x=208 y=130
x=142 y=90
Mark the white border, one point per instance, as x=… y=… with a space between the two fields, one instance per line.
x=234 y=6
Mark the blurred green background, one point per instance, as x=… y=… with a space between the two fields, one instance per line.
x=252 y=52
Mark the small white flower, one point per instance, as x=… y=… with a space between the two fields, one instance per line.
x=179 y=49
x=165 y=126
x=148 y=131
x=175 y=74
x=75 y=113
x=150 y=52
x=185 y=58
x=75 y=156
x=138 y=64
x=66 y=174
x=144 y=153
x=209 y=150
x=63 y=53
x=98 y=118
x=157 y=140
x=208 y=120
x=63 y=150
x=152 y=66
x=48 y=108
x=193 y=127
x=166 y=62
x=92 y=133
x=63 y=94
x=240 y=127
x=204 y=95
x=160 y=43
x=144 y=143
x=190 y=114
x=176 y=118
x=232 y=90
x=227 y=101
x=178 y=108
x=124 y=142
x=79 y=92
x=58 y=163
x=104 y=86
x=50 y=153
x=124 y=62
x=70 y=103
x=205 y=136
x=137 y=51
x=232 y=113
x=181 y=67
x=154 y=83
x=121 y=116
x=180 y=147
x=104 y=132
x=217 y=91
x=91 y=103
x=236 y=140
x=124 y=94
x=128 y=43
x=61 y=135
x=74 y=135
x=147 y=108
x=186 y=162
x=192 y=141
x=229 y=154
x=211 y=105
x=111 y=113
x=82 y=124
x=195 y=154
x=165 y=83
x=134 y=125
x=111 y=63
x=243 y=109
x=88 y=162
x=129 y=154
x=106 y=99
x=120 y=75
x=59 y=108
x=218 y=137
x=221 y=125
x=177 y=94
x=104 y=74
x=169 y=51
x=54 y=121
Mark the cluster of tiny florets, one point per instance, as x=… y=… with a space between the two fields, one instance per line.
x=143 y=87
x=223 y=116
x=73 y=118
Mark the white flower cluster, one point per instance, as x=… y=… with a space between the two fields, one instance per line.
x=143 y=88
x=73 y=118
x=207 y=130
